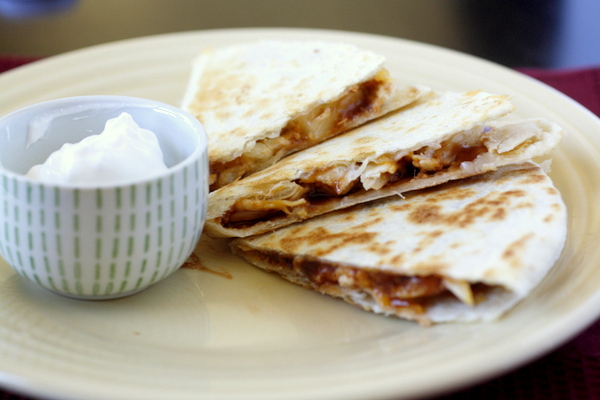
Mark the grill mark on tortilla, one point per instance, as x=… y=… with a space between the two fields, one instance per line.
x=492 y=206
x=321 y=235
x=380 y=248
x=349 y=217
x=428 y=240
x=431 y=268
x=366 y=140
x=301 y=85
x=216 y=90
x=511 y=175
x=490 y=274
x=534 y=178
x=426 y=214
x=398 y=259
x=515 y=193
x=557 y=209
x=524 y=204
x=444 y=196
x=512 y=254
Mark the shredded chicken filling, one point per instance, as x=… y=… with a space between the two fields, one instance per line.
x=388 y=290
x=324 y=121
x=319 y=187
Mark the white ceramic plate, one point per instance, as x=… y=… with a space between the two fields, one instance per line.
x=239 y=333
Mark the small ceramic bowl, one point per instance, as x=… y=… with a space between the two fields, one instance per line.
x=100 y=241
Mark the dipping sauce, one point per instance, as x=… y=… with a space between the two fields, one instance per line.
x=123 y=151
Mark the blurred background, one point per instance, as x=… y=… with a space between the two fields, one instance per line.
x=515 y=33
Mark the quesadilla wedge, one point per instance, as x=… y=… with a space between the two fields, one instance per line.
x=447 y=136
x=263 y=100
x=464 y=251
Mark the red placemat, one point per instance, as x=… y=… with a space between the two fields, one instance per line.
x=582 y=85
x=570 y=372
x=10 y=62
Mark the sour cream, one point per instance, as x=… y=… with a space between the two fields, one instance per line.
x=122 y=152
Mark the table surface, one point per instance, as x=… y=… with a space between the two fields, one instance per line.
x=515 y=33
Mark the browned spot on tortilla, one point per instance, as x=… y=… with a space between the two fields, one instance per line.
x=301 y=85
x=349 y=217
x=490 y=273
x=361 y=150
x=397 y=259
x=492 y=207
x=379 y=248
x=236 y=132
x=332 y=240
x=297 y=229
x=552 y=191
x=510 y=176
x=498 y=215
x=267 y=116
x=194 y=262
x=428 y=240
x=549 y=218
x=426 y=214
x=512 y=253
x=400 y=207
x=365 y=140
x=431 y=267
x=413 y=127
x=533 y=178
x=373 y=220
x=471 y=93
x=524 y=204
x=453 y=194
x=220 y=89
x=515 y=193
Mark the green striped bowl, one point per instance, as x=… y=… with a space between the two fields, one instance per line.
x=99 y=242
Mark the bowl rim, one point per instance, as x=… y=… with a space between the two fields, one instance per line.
x=132 y=101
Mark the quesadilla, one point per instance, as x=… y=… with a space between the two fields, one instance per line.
x=263 y=100
x=463 y=251
x=444 y=137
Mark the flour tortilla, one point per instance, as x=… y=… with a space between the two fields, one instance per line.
x=501 y=231
x=364 y=164
x=248 y=95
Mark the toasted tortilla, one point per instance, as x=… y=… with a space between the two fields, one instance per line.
x=444 y=137
x=263 y=100
x=464 y=251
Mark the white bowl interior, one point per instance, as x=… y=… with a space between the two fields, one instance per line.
x=28 y=136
